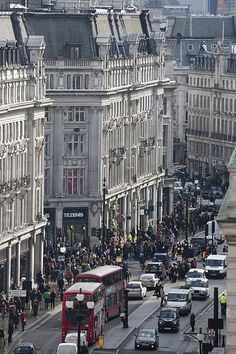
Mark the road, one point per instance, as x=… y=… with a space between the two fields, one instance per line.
x=46 y=335
x=180 y=341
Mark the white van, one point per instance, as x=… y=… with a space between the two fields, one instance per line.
x=67 y=348
x=180 y=299
x=72 y=337
x=216 y=266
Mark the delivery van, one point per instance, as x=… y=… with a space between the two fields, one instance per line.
x=216 y=266
x=67 y=348
x=180 y=299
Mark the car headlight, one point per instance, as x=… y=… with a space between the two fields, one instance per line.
x=206 y=270
x=221 y=271
x=161 y=321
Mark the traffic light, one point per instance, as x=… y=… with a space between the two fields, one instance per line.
x=99 y=233
x=206 y=230
x=213 y=227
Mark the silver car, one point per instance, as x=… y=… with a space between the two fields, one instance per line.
x=149 y=280
x=136 y=289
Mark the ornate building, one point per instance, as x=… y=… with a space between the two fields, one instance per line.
x=105 y=75
x=211 y=133
x=22 y=106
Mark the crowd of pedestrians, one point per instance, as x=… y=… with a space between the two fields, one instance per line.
x=61 y=268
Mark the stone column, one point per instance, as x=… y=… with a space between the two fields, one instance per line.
x=155 y=207
x=171 y=199
x=124 y=212
x=18 y=248
x=31 y=260
x=128 y=212
x=8 y=282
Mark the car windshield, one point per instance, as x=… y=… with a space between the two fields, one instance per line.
x=167 y=314
x=146 y=334
x=146 y=277
x=194 y=274
x=160 y=257
x=177 y=297
x=153 y=266
x=214 y=262
x=199 y=283
x=133 y=286
x=23 y=350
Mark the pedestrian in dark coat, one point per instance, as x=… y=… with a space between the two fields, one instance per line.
x=52 y=299
x=10 y=330
x=2 y=341
x=192 y=321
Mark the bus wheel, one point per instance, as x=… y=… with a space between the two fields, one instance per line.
x=106 y=318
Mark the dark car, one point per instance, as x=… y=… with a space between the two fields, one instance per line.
x=168 y=319
x=217 y=192
x=206 y=193
x=26 y=348
x=157 y=268
x=147 y=338
x=162 y=257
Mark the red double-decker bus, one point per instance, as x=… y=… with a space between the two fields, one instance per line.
x=92 y=321
x=113 y=279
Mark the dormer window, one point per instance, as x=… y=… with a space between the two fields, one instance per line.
x=73 y=50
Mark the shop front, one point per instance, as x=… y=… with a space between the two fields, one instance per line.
x=75 y=226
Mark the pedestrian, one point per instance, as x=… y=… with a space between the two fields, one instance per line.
x=157 y=289
x=46 y=296
x=2 y=341
x=23 y=319
x=192 y=321
x=10 y=330
x=52 y=299
x=162 y=294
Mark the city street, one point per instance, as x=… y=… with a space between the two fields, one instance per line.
x=50 y=329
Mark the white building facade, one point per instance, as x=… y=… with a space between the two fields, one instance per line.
x=106 y=122
x=22 y=105
x=211 y=134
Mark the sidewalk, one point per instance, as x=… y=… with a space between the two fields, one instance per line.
x=43 y=315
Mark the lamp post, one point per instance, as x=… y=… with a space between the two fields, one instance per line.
x=72 y=305
x=200 y=338
x=103 y=213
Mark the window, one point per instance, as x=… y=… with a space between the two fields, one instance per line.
x=73 y=181
x=46 y=181
x=71 y=144
x=74 y=114
x=47 y=115
x=190 y=47
x=74 y=52
x=50 y=81
x=47 y=145
x=79 y=114
x=77 y=82
x=86 y=82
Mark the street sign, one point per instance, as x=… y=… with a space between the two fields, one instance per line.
x=17 y=293
x=120 y=218
x=211 y=333
x=216 y=324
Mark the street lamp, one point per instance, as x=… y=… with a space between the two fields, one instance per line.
x=72 y=305
x=200 y=338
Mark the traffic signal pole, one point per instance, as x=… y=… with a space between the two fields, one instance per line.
x=216 y=317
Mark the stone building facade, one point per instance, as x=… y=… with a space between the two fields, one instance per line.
x=211 y=109
x=105 y=75
x=22 y=105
